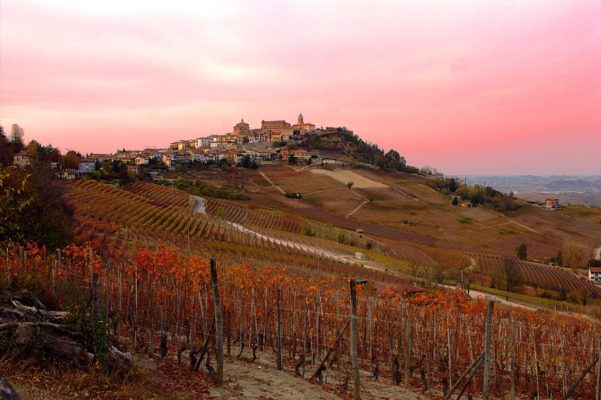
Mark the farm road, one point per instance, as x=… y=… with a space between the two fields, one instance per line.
x=271 y=182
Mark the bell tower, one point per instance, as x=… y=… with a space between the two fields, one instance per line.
x=300 y=118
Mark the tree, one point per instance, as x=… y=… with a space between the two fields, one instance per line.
x=350 y=184
x=452 y=185
x=512 y=275
x=559 y=258
x=16 y=137
x=594 y=263
x=248 y=162
x=455 y=201
x=34 y=148
x=392 y=161
x=32 y=207
x=6 y=149
x=522 y=251
x=71 y=160
x=291 y=159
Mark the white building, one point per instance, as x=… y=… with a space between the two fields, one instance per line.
x=87 y=166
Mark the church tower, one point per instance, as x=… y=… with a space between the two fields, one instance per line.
x=300 y=118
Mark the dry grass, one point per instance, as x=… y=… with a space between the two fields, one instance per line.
x=32 y=383
x=303 y=182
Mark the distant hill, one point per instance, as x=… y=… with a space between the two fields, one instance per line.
x=569 y=189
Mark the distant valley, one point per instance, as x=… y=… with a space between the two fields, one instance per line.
x=569 y=189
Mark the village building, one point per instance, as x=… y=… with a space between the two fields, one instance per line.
x=141 y=160
x=241 y=128
x=87 y=166
x=203 y=142
x=276 y=129
x=301 y=127
x=298 y=153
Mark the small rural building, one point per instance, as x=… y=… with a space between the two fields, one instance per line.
x=594 y=274
x=23 y=159
x=466 y=204
x=87 y=165
x=552 y=204
x=408 y=290
x=133 y=169
x=66 y=174
x=332 y=162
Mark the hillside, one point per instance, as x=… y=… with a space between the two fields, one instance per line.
x=398 y=220
x=141 y=257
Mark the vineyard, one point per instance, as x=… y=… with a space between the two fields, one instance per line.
x=162 y=195
x=540 y=275
x=164 y=300
x=254 y=217
x=153 y=214
x=116 y=221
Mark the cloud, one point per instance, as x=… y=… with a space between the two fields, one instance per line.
x=427 y=78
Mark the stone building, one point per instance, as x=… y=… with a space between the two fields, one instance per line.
x=241 y=129
x=301 y=127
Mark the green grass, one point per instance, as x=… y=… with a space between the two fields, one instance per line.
x=540 y=302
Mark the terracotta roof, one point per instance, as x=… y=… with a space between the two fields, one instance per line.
x=595 y=270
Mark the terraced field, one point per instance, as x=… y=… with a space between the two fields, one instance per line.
x=540 y=275
x=163 y=195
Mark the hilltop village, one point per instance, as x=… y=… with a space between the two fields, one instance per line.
x=275 y=139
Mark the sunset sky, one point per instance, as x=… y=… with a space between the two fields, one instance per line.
x=469 y=87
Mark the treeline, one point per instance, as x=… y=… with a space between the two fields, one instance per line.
x=476 y=194
x=32 y=203
x=359 y=150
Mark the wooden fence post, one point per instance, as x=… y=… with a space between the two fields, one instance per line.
x=354 y=358
x=135 y=306
x=513 y=357
x=278 y=330
x=471 y=370
x=408 y=347
x=218 y=324
x=487 y=351
x=580 y=378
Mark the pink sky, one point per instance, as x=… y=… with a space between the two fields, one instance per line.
x=471 y=86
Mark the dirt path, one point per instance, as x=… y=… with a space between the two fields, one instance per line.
x=521 y=225
x=199 y=205
x=271 y=182
x=357 y=208
x=261 y=380
x=345 y=176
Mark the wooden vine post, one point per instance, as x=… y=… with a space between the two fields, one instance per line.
x=354 y=357
x=278 y=329
x=218 y=325
x=514 y=354
x=487 y=350
x=407 y=362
